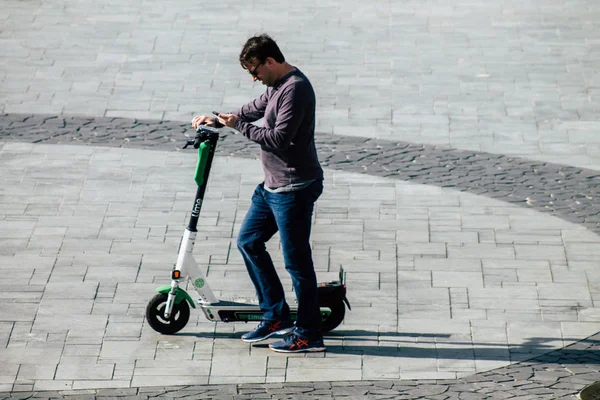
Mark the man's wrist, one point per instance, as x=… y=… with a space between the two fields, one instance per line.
x=238 y=124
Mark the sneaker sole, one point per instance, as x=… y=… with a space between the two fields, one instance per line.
x=281 y=332
x=309 y=350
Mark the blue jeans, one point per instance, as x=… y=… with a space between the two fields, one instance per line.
x=290 y=213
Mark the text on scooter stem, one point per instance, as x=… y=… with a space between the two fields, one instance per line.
x=196 y=209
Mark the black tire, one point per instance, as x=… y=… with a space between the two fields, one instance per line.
x=155 y=315
x=336 y=315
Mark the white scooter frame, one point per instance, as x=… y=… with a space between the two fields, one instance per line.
x=169 y=310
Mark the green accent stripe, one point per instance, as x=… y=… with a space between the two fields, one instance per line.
x=201 y=162
x=250 y=317
x=259 y=316
x=180 y=294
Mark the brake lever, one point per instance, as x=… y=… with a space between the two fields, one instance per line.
x=188 y=143
x=200 y=135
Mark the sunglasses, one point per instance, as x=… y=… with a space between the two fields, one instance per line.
x=253 y=71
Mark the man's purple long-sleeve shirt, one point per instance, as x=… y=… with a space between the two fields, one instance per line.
x=287 y=137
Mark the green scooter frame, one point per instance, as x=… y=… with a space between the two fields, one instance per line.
x=169 y=310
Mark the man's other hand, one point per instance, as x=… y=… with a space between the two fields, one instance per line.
x=228 y=119
x=202 y=120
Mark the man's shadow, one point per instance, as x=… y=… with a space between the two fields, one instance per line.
x=586 y=351
x=341 y=342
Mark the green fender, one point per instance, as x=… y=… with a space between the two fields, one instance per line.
x=180 y=294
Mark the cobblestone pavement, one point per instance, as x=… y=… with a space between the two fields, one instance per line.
x=556 y=375
x=511 y=77
x=462 y=152
x=561 y=190
x=414 y=255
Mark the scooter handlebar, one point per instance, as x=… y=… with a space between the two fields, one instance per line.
x=207 y=129
x=203 y=133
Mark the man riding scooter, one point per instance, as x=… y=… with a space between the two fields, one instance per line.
x=284 y=202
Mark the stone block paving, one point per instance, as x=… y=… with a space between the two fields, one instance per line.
x=556 y=375
x=444 y=284
x=511 y=77
x=561 y=190
x=467 y=263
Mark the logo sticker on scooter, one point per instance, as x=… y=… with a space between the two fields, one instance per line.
x=199 y=283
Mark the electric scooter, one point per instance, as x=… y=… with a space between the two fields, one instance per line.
x=169 y=310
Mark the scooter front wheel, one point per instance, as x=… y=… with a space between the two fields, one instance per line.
x=332 y=314
x=155 y=315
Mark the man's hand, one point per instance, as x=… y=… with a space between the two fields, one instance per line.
x=202 y=120
x=227 y=119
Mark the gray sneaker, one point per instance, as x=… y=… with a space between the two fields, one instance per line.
x=296 y=344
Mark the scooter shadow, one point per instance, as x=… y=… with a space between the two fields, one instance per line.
x=361 y=335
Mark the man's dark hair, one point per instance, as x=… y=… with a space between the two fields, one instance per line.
x=259 y=48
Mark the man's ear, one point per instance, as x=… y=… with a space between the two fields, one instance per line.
x=270 y=61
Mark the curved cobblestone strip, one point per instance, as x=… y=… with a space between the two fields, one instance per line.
x=567 y=192
x=556 y=375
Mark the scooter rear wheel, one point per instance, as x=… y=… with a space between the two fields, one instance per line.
x=155 y=315
x=330 y=320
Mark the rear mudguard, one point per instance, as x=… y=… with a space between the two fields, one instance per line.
x=332 y=291
x=180 y=294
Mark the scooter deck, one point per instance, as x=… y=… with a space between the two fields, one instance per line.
x=241 y=303
x=235 y=310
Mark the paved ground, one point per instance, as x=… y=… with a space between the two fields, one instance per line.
x=510 y=77
x=462 y=156
x=444 y=284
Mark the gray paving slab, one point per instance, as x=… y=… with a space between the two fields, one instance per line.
x=501 y=84
x=518 y=181
x=425 y=284
x=477 y=78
